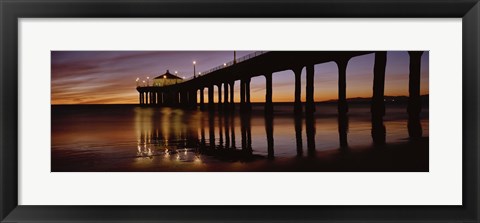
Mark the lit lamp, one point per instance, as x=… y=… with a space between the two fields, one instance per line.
x=224 y=64
x=148 y=79
x=144 y=83
x=136 y=80
x=194 y=62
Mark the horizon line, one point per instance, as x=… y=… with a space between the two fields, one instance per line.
x=331 y=100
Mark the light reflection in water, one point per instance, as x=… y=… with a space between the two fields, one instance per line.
x=164 y=139
x=166 y=131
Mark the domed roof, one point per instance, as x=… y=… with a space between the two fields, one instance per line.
x=167 y=75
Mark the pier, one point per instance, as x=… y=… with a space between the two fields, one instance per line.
x=265 y=64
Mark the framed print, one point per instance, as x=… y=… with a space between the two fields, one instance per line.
x=201 y=132
x=199 y=111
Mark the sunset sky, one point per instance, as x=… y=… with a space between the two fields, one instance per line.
x=108 y=77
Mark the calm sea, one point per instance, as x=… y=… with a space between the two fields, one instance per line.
x=133 y=138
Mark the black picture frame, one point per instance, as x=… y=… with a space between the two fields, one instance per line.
x=11 y=11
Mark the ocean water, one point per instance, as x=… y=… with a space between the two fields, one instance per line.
x=133 y=138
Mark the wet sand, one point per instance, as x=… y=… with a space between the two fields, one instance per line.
x=134 y=139
x=409 y=156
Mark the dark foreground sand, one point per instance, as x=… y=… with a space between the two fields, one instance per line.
x=408 y=156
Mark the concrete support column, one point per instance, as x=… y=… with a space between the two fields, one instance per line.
x=310 y=103
x=342 y=85
x=147 y=95
x=173 y=98
x=225 y=96
x=298 y=90
x=178 y=100
x=232 y=90
x=183 y=98
x=193 y=98
x=211 y=105
x=247 y=94
x=414 y=101
x=268 y=92
x=242 y=94
x=166 y=98
x=378 y=104
x=140 y=98
x=219 y=102
x=202 y=99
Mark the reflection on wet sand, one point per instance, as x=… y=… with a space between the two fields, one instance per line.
x=170 y=139
x=343 y=130
x=221 y=135
x=298 y=134
x=269 y=132
x=310 y=128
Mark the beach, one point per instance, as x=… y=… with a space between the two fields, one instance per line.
x=131 y=138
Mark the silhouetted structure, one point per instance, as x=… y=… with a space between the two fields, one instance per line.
x=414 y=102
x=310 y=128
x=298 y=134
x=269 y=131
x=266 y=63
x=378 y=101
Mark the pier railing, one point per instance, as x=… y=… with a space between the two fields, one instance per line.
x=228 y=64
